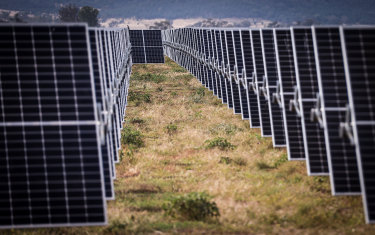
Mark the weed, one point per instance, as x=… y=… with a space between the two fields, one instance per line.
x=221 y=143
x=185 y=77
x=320 y=184
x=132 y=137
x=239 y=161
x=192 y=206
x=198 y=95
x=262 y=165
x=139 y=97
x=116 y=227
x=281 y=160
x=137 y=120
x=173 y=93
x=128 y=157
x=149 y=77
x=225 y=160
x=171 y=128
x=226 y=128
x=159 y=89
x=178 y=69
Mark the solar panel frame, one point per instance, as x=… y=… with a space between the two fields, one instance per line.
x=270 y=68
x=344 y=154
x=362 y=116
x=252 y=101
x=258 y=63
x=292 y=123
x=107 y=174
x=236 y=105
x=307 y=85
x=47 y=124
x=239 y=73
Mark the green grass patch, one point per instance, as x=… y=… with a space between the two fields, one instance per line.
x=139 y=97
x=148 y=77
x=219 y=142
x=171 y=128
x=192 y=206
x=132 y=137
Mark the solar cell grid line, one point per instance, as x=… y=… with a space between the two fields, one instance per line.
x=258 y=63
x=110 y=97
x=230 y=72
x=270 y=70
x=195 y=49
x=359 y=54
x=201 y=51
x=107 y=82
x=239 y=69
x=220 y=62
x=211 y=61
x=153 y=46
x=224 y=68
x=115 y=116
x=252 y=100
x=33 y=135
x=307 y=85
x=200 y=66
x=114 y=80
x=341 y=155
x=287 y=81
x=100 y=98
x=216 y=62
x=138 y=50
x=206 y=71
x=207 y=54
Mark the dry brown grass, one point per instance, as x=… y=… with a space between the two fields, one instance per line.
x=254 y=195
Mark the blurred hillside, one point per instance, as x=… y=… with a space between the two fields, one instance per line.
x=287 y=11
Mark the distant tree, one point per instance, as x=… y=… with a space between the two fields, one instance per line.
x=89 y=15
x=17 y=19
x=165 y=24
x=274 y=24
x=68 y=13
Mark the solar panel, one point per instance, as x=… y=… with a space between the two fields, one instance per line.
x=113 y=106
x=252 y=100
x=219 y=63
x=307 y=85
x=230 y=71
x=287 y=81
x=147 y=46
x=333 y=97
x=239 y=74
x=270 y=70
x=107 y=81
x=258 y=61
x=100 y=99
x=208 y=82
x=211 y=59
x=50 y=146
x=359 y=56
x=138 y=49
x=226 y=62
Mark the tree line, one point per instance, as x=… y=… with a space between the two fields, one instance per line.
x=72 y=13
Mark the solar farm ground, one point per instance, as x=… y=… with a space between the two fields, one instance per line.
x=180 y=139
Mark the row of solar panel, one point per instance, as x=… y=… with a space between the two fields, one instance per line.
x=63 y=92
x=147 y=46
x=311 y=89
